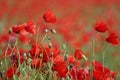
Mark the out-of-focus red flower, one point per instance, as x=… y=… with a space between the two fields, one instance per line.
x=4 y=38
x=24 y=38
x=34 y=51
x=18 y=28
x=46 y=53
x=59 y=65
x=35 y=63
x=10 y=72
x=16 y=59
x=49 y=17
x=30 y=27
x=102 y=73
x=8 y=52
x=101 y=27
x=79 y=74
x=78 y=54
x=54 y=52
x=112 y=38
x=70 y=59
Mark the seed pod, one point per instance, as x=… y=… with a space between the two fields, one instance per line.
x=50 y=45
x=46 y=30
x=53 y=31
x=10 y=31
x=48 y=38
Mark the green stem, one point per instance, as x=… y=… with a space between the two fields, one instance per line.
x=5 y=57
x=93 y=47
x=103 y=55
x=44 y=37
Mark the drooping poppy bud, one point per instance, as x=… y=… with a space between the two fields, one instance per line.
x=49 y=17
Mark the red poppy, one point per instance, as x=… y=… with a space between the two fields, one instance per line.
x=24 y=38
x=34 y=51
x=46 y=54
x=35 y=63
x=79 y=74
x=54 y=52
x=102 y=73
x=78 y=54
x=10 y=72
x=70 y=59
x=30 y=27
x=101 y=27
x=60 y=66
x=18 y=28
x=49 y=17
x=4 y=38
x=112 y=38
x=21 y=59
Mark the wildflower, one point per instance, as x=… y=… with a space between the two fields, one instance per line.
x=70 y=59
x=54 y=52
x=18 y=28
x=30 y=27
x=112 y=38
x=78 y=54
x=59 y=65
x=35 y=63
x=34 y=51
x=10 y=72
x=79 y=74
x=49 y=17
x=46 y=53
x=101 y=27
x=102 y=73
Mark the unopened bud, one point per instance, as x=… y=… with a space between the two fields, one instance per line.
x=10 y=31
x=53 y=31
x=50 y=45
x=46 y=30
x=48 y=38
x=84 y=57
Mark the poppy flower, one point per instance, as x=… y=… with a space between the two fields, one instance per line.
x=101 y=27
x=24 y=38
x=4 y=38
x=34 y=51
x=49 y=17
x=78 y=54
x=112 y=38
x=18 y=28
x=79 y=74
x=59 y=65
x=102 y=73
x=46 y=53
x=35 y=63
x=70 y=59
x=10 y=72
x=30 y=27
x=54 y=52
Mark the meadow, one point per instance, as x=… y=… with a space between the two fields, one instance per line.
x=59 y=40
